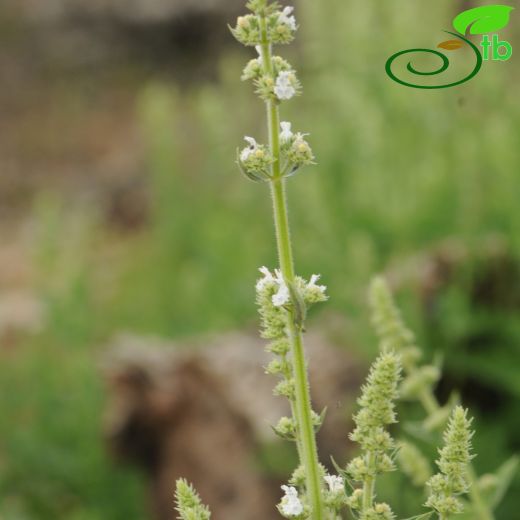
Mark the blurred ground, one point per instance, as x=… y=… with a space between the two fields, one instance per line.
x=122 y=210
x=205 y=410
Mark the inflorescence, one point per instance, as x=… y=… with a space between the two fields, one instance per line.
x=283 y=300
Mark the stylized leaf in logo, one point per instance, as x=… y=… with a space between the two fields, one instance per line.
x=450 y=45
x=481 y=20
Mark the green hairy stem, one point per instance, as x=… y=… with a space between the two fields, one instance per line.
x=304 y=427
x=370 y=482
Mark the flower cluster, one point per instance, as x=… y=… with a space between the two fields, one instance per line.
x=189 y=505
x=285 y=85
x=255 y=68
x=377 y=404
x=380 y=511
x=419 y=384
x=275 y=296
x=279 y=302
x=452 y=480
x=310 y=291
x=282 y=26
x=255 y=160
x=376 y=413
x=275 y=81
x=299 y=153
x=268 y=23
x=295 y=149
x=248 y=30
x=335 y=495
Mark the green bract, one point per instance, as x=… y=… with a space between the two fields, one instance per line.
x=189 y=505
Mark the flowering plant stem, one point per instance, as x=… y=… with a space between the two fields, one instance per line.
x=306 y=440
x=482 y=511
x=370 y=481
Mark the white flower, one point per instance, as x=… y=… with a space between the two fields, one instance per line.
x=246 y=152
x=252 y=142
x=291 y=504
x=335 y=483
x=312 y=283
x=286 y=134
x=283 y=87
x=268 y=278
x=314 y=293
x=282 y=296
x=299 y=139
x=286 y=19
x=258 y=49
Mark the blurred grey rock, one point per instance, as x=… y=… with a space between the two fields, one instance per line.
x=135 y=11
x=238 y=359
x=200 y=409
x=180 y=35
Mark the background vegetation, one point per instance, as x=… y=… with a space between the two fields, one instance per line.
x=423 y=185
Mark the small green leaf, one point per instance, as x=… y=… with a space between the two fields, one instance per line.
x=322 y=420
x=300 y=309
x=481 y=20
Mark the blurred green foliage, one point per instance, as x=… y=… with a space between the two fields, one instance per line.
x=398 y=172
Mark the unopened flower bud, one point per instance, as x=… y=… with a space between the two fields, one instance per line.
x=282 y=26
x=247 y=30
x=279 y=347
x=242 y=22
x=286 y=388
x=253 y=70
x=355 y=501
x=385 y=464
x=255 y=160
x=286 y=428
x=300 y=153
x=298 y=477
x=380 y=511
x=279 y=65
x=264 y=87
x=357 y=469
x=276 y=366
